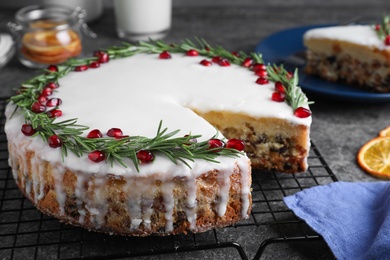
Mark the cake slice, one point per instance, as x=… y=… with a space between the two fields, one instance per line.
x=357 y=55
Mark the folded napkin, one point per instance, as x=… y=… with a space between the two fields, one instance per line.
x=352 y=217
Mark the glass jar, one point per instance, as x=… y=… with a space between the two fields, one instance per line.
x=47 y=34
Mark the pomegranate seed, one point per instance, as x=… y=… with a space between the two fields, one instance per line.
x=247 y=62
x=377 y=27
x=38 y=107
x=262 y=81
x=52 y=68
x=235 y=54
x=387 y=40
x=215 y=144
x=94 y=65
x=192 y=53
x=278 y=97
x=224 y=63
x=235 y=144
x=206 y=63
x=289 y=75
x=102 y=56
x=42 y=99
x=95 y=133
x=47 y=92
x=96 y=156
x=54 y=113
x=145 y=156
x=259 y=66
x=114 y=132
x=51 y=85
x=279 y=87
x=81 y=68
x=302 y=112
x=28 y=130
x=261 y=73
x=207 y=48
x=54 y=102
x=54 y=141
x=165 y=55
x=216 y=59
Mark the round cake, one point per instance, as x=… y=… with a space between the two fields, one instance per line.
x=154 y=138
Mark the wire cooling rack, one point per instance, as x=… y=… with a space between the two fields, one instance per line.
x=25 y=233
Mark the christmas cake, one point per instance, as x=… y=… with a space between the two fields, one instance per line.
x=154 y=139
x=358 y=55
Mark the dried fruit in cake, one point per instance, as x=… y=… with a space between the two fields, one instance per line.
x=374 y=157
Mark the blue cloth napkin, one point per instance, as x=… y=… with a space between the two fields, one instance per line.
x=352 y=217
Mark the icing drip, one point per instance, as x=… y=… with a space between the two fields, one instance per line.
x=223 y=191
x=167 y=192
x=80 y=195
x=245 y=189
x=58 y=176
x=96 y=205
x=191 y=202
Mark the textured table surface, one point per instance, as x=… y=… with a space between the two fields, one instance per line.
x=339 y=128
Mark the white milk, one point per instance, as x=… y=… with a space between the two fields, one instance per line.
x=138 y=20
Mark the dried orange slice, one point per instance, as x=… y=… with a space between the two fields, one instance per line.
x=374 y=157
x=385 y=132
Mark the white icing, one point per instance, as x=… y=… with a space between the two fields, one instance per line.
x=134 y=94
x=357 y=34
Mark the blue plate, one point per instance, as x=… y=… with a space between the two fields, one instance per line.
x=282 y=44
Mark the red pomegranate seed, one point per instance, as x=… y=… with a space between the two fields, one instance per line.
x=387 y=40
x=51 y=85
x=47 y=92
x=377 y=27
x=54 y=102
x=102 y=57
x=114 y=132
x=262 y=81
x=81 y=68
x=289 y=75
x=261 y=73
x=224 y=63
x=278 y=97
x=54 y=113
x=207 y=48
x=52 y=68
x=206 y=63
x=95 y=133
x=192 y=53
x=259 y=66
x=38 y=107
x=216 y=59
x=235 y=144
x=94 y=65
x=54 y=141
x=96 y=156
x=215 y=144
x=247 y=62
x=42 y=99
x=279 y=87
x=145 y=156
x=235 y=54
x=302 y=112
x=165 y=55
x=28 y=130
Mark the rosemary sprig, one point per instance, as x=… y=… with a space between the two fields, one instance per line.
x=294 y=95
x=383 y=29
x=176 y=149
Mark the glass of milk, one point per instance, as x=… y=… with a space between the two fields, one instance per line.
x=141 y=20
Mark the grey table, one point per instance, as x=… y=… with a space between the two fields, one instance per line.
x=340 y=127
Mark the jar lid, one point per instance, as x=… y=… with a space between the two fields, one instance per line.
x=7 y=48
